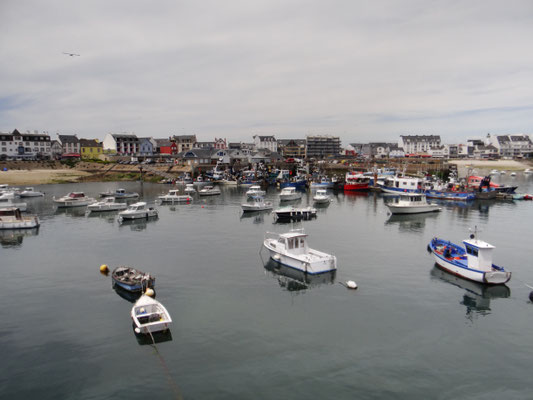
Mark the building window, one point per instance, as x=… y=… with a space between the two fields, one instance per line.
x=4 y=149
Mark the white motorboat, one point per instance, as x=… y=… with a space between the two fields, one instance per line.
x=30 y=192
x=173 y=196
x=411 y=203
x=294 y=213
x=74 y=199
x=254 y=191
x=494 y=172
x=11 y=218
x=120 y=194
x=291 y=249
x=189 y=188
x=228 y=182
x=528 y=171
x=150 y=316
x=473 y=261
x=209 y=191
x=259 y=204
x=513 y=173
x=8 y=195
x=12 y=204
x=137 y=211
x=321 y=197
x=289 y=193
x=401 y=184
x=108 y=204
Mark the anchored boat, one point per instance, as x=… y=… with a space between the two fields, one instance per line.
x=131 y=279
x=291 y=249
x=138 y=210
x=108 y=204
x=150 y=316
x=294 y=213
x=11 y=218
x=473 y=261
x=412 y=203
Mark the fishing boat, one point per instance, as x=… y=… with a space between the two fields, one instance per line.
x=399 y=184
x=323 y=183
x=289 y=193
x=411 y=203
x=74 y=199
x=149 y=316
x=294 y=213
x=473 y=261
x=11 y=218
x=131 y=279
x=107 y=204
x=209 y=191
x=291 y=249
x=30 y=192
x=174 y=196
x=254 y=191
x=449 y=195
x=297 y=182
x=478 y=181
x=137 y=211
x=321 y=197
x=120 y=194
x=356 y=181
x=258 y=204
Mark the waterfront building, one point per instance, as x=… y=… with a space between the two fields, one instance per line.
x=204 y=145
x=220 y=143
x=292 y=148
x=321 y=146
x=265 y=142
x=184 y=142
x=25 y=146
x=70 y=145
x=56 y=149
x=396 y=151
x=147 y=146
x=512 y=146
x=488 y=151
x=417 y=144
x=196 y=157
x=438 y=152
x=90 y=148
x=165 y=147
x=121 y=143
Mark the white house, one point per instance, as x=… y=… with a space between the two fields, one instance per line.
x=25 y=145
x=512 y=146
x=417 y=144
x=266 y=142
x=121 y=143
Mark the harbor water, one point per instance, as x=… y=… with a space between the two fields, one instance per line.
x=245 y=330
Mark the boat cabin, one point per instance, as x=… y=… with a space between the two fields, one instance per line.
x=405 y=183
x=173 y=192
x=321 y=192
x=137 y=206
x=76 y=195
x=288 y=190
x=479 y=254
x=294 y=242
x=411 y=198
x=120 y=191
x=11 y=213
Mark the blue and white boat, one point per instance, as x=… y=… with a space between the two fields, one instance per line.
x=401 y=184
x=473 y=261
x=131 y=279
x=297 y=183
x=324 y=183
x=449 y=195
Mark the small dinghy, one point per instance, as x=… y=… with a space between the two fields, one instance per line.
x=131 y=279
x=473 y=261
x=150 y=316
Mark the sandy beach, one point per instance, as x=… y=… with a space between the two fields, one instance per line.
x=485 y=166
x=40 y=176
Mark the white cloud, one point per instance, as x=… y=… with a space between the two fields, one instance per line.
x=363 y=70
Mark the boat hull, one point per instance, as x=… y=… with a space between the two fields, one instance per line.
x=27 y=223
x=353 y=187
x=398 y=209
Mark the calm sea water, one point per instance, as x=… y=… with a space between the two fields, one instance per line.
x=243 y=331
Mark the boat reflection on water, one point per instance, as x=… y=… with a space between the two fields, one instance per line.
x=477 y=296
x=72 y=211
x=411 y=222
x=14 y=237
x=293 y=280
x=154 y=338
x=139 y=224
x=258 y=217
x=132 y=297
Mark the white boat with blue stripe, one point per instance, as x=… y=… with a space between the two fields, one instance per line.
x=401 y=184
x=291 y=249
x=473 y=261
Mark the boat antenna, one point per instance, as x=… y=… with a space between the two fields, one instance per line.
x=475 y=232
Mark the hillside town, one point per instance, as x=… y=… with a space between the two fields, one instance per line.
x=188 y=150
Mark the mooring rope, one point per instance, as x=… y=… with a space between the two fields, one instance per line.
x=172 y=383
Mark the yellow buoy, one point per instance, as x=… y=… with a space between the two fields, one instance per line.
x=104 y=268
x=149 y=292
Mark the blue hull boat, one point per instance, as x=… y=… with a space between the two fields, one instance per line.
x=131 y=279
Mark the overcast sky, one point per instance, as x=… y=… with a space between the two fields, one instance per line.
x=361 y=70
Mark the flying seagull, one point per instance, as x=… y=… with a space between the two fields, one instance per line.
x=71 y=54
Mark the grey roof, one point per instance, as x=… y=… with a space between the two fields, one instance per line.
x=90 y=143
x=418 y=138
x=266 y=138
x=124 y=135
x=196 y=153
x=163 y=142
x=68 y=139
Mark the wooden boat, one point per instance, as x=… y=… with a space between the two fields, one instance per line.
x=291 y=249
x=295 y=214
x=138 y=210
x=150 y=316
x=473 y=261
x=74 y=199
x=411 y=203
x=108 y=204
x=173 y=196
x=321 y=197
x=209 y=191
x=11 y=218
x=131 y=279
x=258 y=204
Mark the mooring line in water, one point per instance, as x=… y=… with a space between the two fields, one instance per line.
x=171 y=381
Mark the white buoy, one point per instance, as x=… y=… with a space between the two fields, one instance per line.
x=351 y=285
x=137 y=330
x=149 y=292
